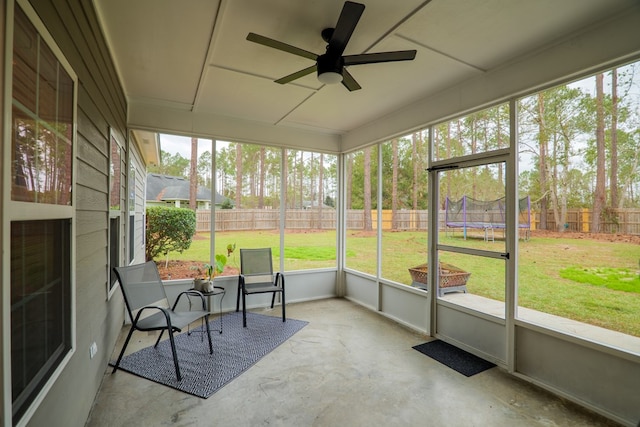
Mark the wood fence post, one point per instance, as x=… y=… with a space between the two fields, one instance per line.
x=585 y=219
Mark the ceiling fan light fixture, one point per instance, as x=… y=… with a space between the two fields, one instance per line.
x=330 y=78
x=329 y=69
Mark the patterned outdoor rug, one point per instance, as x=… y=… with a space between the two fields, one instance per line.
x=462 y=361
x=234 y=351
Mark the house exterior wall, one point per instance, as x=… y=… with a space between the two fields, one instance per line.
x=101 y=107
x=6 y=400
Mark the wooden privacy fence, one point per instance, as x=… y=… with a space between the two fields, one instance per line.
x=307 y=219
x=623 y=221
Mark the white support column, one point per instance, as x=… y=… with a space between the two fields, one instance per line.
x=341 y=226
x=379 y=226
x=283 y=209
x=512 y=231
x=432 y=236
x=214 y=192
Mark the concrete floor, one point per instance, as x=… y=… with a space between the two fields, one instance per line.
x=348 y=367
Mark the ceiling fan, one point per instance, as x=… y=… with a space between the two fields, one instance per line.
x=330 y=66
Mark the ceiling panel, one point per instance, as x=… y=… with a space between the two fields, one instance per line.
x=229 y=93
x=160 y=46
x=172 y=54
x=488 y=33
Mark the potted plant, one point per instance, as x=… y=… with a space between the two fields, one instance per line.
x=204 y=282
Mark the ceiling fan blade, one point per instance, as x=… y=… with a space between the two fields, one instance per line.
x=371 y=58
x=297 y=75
x=349 y=82
x=349 y=17
x=266 y=41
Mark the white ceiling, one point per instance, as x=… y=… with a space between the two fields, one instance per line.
x=193 y=56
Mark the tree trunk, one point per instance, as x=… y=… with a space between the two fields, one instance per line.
x=320 y=190
x=349 y=178
x=416 y=171
x=449 y=176
x=301 y=180
x=285 y=177
x=499 y=142
x=474 y=149
x=193 y=175
x=263 y=172
x=312 y=181
x=368 y=224
x=542 y=161
x=238 y=176
x=599 y=195
x=394 y=185
x=554 y=185
x=613 y=173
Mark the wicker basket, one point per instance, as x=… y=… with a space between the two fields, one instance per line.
x=449 y=275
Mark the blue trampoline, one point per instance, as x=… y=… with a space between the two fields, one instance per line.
x=468 y=213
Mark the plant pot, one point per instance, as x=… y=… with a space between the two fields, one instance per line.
x=203 y=285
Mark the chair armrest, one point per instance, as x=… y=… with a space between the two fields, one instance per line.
x=190 y=292
x=279 y=278
x=154 y=307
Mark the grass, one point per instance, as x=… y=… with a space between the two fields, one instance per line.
x=599 y=291
x=310 y=253
x=619 y=279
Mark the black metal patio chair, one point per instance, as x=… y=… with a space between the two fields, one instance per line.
x=256 y=277
x=149 y=310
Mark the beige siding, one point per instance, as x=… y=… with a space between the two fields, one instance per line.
x=101 y=105
x=5 y=407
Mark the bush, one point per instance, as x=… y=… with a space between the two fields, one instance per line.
x=168 y=229
x=226 y=204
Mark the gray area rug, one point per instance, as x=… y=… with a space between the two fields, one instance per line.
x=234 y=351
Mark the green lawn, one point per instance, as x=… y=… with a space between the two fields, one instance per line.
x=592 y=281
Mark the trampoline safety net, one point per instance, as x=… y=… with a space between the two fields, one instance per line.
x=472 y=213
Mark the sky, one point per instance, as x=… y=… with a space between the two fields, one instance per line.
x=182 y=144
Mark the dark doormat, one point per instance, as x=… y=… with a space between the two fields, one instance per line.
x=464 y=362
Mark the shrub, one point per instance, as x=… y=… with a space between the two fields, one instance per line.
x=226 y=204
x=168 y=229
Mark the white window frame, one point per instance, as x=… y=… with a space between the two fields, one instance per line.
x=115 y=214
x=24 y=211
x=132 y=172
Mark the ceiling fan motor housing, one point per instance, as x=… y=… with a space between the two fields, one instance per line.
x=330 y=64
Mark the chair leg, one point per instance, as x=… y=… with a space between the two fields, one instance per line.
x=206 y=319
x=159 y=337
x=238 y=297
x=244 y=310
x=221 y=316
x=126 y=342
x=273 y=300
x=284 y=317
x=175 y=355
